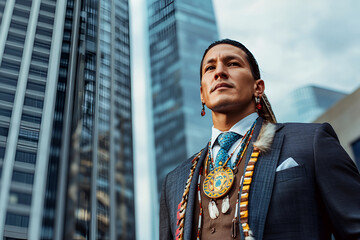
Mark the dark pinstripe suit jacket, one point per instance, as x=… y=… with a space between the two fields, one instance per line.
x=318 y=198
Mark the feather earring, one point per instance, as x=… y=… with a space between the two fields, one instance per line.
x=267 y=112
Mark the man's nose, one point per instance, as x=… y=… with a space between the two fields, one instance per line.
x=220 y=72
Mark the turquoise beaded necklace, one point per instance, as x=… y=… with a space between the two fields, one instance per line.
x=244 y=141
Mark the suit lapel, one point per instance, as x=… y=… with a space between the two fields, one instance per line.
x=263 y=181
x=189 y=215
x=261 y=187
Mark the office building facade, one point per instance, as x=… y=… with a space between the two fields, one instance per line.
x=66 y=159
x=179 y=32
x=344 y=117
x=306 y=103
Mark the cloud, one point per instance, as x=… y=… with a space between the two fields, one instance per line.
x=297 y=42
x=340 y=30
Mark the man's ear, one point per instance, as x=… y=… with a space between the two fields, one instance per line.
x=259 y=88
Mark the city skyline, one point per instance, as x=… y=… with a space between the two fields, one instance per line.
x=306 y=103
x=67 y=161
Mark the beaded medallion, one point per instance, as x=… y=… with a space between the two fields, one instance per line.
x=218 y=182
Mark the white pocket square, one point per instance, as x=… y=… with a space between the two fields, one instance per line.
x=288 y=163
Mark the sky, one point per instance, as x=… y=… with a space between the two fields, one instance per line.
x=296 y=43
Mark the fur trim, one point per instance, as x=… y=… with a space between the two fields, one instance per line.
x=266 y=136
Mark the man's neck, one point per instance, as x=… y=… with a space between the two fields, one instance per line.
x=224 y=122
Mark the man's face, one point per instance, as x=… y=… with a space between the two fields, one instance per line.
x=227 y=83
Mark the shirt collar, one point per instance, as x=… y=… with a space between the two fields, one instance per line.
x=240 y=127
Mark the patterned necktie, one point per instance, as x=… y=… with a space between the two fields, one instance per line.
x=225 y=140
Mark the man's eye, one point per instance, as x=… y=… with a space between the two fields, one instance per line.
x=209 y=68
x=234 y=64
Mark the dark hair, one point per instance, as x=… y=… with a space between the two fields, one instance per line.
x=249 y=56
x=266 y=111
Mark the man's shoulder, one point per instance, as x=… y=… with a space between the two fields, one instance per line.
x=304 y=126
x=307 y=129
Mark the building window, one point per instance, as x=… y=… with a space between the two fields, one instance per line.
x=18 y=26
x=21 y=12
x=8 y=97
x=43 y=58
x=13 y=51
x=28 y=135
x=5 y=112
x=30 y=118
x=24 y=2
x=2 y=6
x=20 y=198
x=42 y=44
x=16 y=38
x=356 y=149
x=44 y=32
x=18 y=220
x=36 y=87
x=62 y=72
x=42 y=74
x=13 y=66
x=33 y=102
x=8 y=79
x=26 y=157
x=4 y=131
x=2 y=153
x=47 y=8
x=23 y=177
x=46 y=19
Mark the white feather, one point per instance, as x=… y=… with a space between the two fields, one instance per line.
x=213 y=210
x=225 y=204
x=266 y=136
x=251 y=236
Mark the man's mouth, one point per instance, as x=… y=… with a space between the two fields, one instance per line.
x=221 y=85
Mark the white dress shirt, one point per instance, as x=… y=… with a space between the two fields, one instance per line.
x=240 y=128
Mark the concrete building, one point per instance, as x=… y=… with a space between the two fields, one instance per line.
x=66 y=159
x=344 y=116
x=179 y=32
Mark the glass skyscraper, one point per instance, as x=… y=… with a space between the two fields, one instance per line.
x=179 y=32
x=66 y=155
x=306 y=103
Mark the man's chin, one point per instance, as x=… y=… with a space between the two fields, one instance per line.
x=226 y=107
x=229 y=107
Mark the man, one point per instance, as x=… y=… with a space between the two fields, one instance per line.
x=257 y=179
